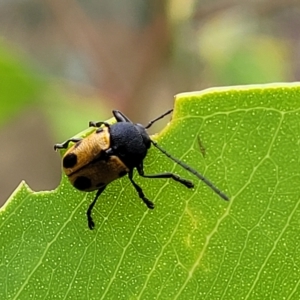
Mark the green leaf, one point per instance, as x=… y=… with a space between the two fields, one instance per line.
x=193 y=245
x=20 y=84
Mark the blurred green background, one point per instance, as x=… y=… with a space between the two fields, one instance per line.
x=64 y=63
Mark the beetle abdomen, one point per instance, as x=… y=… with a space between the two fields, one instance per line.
x=98 y=173
x=86 y=151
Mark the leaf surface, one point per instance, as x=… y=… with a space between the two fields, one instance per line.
x=193 y=245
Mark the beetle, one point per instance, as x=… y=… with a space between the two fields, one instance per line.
x=113 y=151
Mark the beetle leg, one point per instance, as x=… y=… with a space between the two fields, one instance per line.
x=140 y=192
x=120 y=117
x=91 y=223
x=98 y=124
x=175 y=177
x=65 y=144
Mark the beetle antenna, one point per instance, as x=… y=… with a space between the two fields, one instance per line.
x=158 y=118
x=188 y=168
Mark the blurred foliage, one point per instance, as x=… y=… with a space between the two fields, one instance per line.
x=67 y=112
x=63 y=63
x=237 y=54
x=20 y=85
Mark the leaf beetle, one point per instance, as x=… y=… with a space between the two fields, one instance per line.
x=113 y=151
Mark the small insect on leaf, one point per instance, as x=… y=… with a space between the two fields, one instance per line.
x=113 y=151
x=201 y=146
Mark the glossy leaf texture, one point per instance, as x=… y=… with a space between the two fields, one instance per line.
x=193 y=245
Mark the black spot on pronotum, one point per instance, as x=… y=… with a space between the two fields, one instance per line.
x=82 y=183
x=70 y=160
